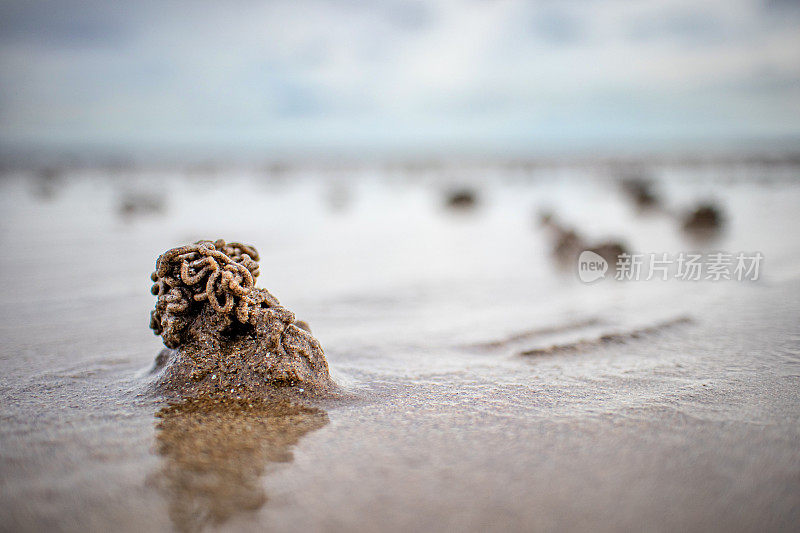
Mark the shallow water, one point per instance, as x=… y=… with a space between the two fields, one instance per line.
x=692 y=423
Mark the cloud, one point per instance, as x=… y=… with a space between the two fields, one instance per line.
x=349 y=74
x=557 y=26
x=65 y=23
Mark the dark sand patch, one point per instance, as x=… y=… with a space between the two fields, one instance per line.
x=215 y=453
x=608 y=338
x=536 y=332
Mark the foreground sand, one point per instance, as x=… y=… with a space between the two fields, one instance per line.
x=423 y=316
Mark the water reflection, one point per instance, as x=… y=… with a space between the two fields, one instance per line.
x=215 y=454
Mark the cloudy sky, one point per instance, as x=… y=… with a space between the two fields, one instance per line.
x=398 y=76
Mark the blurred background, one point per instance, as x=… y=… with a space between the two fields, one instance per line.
x=404 y=79
x=443 y=156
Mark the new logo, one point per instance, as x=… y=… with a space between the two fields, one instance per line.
x=591 y=267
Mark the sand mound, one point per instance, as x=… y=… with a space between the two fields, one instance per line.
x=224 y=336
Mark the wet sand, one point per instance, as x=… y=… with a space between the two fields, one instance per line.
x=424 y=317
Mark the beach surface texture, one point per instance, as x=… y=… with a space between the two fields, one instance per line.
x=484 y=386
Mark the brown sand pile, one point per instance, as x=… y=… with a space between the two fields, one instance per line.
x=226 y=336
x=568 y=243
x=705 y=217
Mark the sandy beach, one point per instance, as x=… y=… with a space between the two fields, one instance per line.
x=667 y=405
